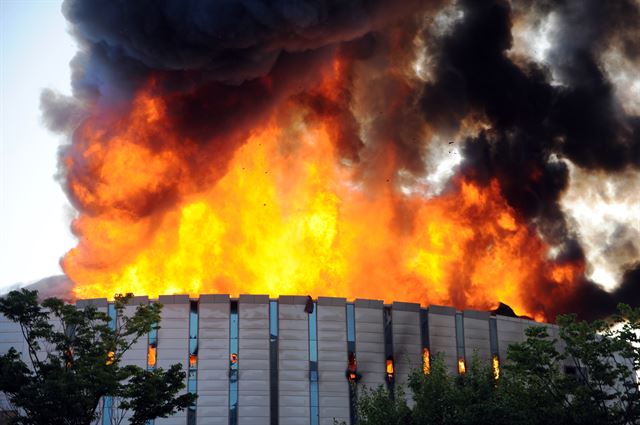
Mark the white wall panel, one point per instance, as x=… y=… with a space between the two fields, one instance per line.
x=442 y=334
x=253 y=360
x=333 y=387
x=370 y=342
x=173 y=344
x=293 y=361
x=213 y=360
x=407 y=347
x=476 y=335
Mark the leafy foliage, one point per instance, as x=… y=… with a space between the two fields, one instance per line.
x=74 y=361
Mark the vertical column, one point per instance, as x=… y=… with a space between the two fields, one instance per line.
x=213 y=360
x=333 y=388
x=442 y=334
x=192 y=380
x=313 y=362
x=424 y=340
x=173 y=343
x=273 y=362
x=387 y=320
x=476 y=334
x=352 y=362
x=370 y=350
x=493 y=343
x=234 y=358
x=253 y=384
x=462 y=365
x=293 y=361
x=407 y=346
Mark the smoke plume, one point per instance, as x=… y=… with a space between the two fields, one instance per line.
x=488 y=121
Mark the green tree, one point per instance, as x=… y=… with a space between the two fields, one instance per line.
x=74 y=361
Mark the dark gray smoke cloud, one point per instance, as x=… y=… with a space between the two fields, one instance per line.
x=534 y=119
x=223 y=66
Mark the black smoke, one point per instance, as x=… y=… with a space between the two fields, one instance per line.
x=537 y=114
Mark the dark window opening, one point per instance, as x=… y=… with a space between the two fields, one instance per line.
x=233 y=364
x=273 y=362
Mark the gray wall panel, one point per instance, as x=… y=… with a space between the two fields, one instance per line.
x=253 y=346
x=370 y=345
x=442 y=337
x=293 y=362
x=173 y=347
x=213 y=363
x=333 y=387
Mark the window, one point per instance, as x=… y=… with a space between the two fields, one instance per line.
x=493 y=342
x=313 y=363
x=273 y=361
x=424 y=337
x=192 y=380
x=388 y=348
x=352 y=364
x=460 y=343
x=233 y=364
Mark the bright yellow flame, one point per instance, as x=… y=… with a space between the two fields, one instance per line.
x=426 y=361
x=151 y=356
x=495 y=364
x=390 y=368
x=111 y=357
x=462 y=369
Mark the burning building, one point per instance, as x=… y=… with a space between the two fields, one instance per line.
x=457 y=153
x=295 y=360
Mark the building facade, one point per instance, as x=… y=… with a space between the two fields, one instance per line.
x=298 y=361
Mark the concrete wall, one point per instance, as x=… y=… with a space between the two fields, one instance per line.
x=293 y=361
x=11 y=336
x=173 y=343
x=213 y=360
x=407 y=348
x=253 y=360
x=332 y=360
x=476 y=335
x=370 y=342
x=510 y=330
x=442 y=334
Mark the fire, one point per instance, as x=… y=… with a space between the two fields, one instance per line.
x=495 y=366
x=287 y=216
x=462 y=368
x=426 y=361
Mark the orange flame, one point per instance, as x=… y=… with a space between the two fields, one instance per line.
x=495 y=365
x=287 y=217
x=390 y=368
x=426 y=361
x=462 y=368
x=151 y=356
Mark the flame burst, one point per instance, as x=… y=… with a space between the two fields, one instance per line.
x=286 y=216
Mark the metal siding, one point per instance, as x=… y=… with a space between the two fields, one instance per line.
x=293 y=364
x=370 y=346
x=442 y=337
x=213 y=364
x=332 y=363
x=253 y=362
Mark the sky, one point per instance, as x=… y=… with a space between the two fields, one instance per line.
x=35 y=50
